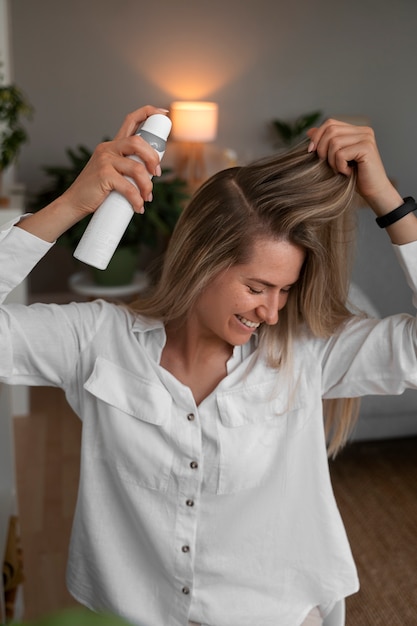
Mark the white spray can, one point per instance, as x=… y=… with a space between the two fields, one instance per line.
x=105 y=229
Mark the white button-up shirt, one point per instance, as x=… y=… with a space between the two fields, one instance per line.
x=221 y=513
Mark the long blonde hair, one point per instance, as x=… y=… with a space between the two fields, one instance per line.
x=292 y=196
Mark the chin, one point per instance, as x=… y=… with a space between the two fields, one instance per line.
x=241 y=341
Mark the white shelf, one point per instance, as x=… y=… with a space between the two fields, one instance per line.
x=19 y=393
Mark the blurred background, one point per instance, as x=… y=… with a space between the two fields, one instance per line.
x=84 y=65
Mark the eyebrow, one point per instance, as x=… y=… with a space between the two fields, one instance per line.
x=268 y=284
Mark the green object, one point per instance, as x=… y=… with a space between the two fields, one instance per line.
x=120 y=270
x=14 y=107
x=289 y=132
x=77 y=617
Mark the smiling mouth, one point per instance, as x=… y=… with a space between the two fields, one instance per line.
x=248 y=323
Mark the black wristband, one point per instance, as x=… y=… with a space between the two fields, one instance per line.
x=390 y=218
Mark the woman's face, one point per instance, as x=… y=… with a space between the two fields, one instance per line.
x=241 y=298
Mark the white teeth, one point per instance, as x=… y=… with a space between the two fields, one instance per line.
x=247 y=323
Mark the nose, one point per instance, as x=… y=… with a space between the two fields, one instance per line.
x=268 y=310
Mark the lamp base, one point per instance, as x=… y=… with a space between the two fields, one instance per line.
x=190 y=164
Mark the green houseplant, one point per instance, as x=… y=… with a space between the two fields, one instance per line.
x=14 y=108
x=290 y=132
x=150 y=230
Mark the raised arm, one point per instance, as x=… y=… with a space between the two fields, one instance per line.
x=105 y=172
x=342 y=144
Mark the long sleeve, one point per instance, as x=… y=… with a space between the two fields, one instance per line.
x=19 y=253
x=39 y=344
x=375 y=356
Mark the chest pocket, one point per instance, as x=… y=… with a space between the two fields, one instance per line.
x=132 y=429
x=256 y=425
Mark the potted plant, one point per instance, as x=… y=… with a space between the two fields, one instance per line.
x=149 y=230
x=14 y=107
x=290 y=132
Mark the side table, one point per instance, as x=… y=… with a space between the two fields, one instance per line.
x=82 y=284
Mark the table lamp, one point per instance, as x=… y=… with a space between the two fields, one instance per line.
x=193 y=125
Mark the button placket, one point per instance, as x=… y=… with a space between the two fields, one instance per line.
x=189 y=485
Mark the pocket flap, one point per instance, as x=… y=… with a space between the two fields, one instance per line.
x=141 y=398
x=259 y=403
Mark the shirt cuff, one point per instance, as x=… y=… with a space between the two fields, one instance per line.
x=20 y=251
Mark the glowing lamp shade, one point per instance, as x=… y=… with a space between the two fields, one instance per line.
x=194 y=121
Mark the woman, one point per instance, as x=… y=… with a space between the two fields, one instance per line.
x=204 y=493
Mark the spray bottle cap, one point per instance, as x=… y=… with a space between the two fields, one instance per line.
x=157 y=124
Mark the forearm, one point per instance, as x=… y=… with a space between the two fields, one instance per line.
x=107 y=170
x=405 y=229
x=52 y=221
x=348 y=148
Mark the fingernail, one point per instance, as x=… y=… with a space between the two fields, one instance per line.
x=311 y=146
x=158 y=170
x=164 y=110
x=150 y=197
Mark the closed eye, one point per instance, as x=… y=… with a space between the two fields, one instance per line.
x=255 y=291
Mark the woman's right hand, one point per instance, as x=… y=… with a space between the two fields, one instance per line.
x=108 y=167
x=105 y=172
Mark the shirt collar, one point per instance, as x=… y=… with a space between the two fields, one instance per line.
x=151 y=334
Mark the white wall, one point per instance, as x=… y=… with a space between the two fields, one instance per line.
x=85 y=64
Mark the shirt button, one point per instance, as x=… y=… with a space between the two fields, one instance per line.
x=194 y=465
x=186 y=590
x=189 y=502
x=185 y=548
x=190 y=417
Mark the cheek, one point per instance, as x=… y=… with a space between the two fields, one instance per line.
x=283 y=299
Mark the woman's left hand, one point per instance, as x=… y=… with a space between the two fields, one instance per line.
x=344 y=145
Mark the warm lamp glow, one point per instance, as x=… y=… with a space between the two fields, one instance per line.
x=193 y=125
x=194 y=121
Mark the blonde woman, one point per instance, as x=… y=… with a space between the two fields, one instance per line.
x=204 y=493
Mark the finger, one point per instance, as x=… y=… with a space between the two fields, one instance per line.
x=129 y=177
x=316 y=134
x=134 y=147
x=135 y=195
x=136 y=172
x=133 y=120
x=345 y=149
x=330 y=130
x=341 y=144
x=342 y=160
x=107 y=171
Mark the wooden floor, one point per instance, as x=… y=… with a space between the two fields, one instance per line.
x=375 y=485
x=47 y=464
